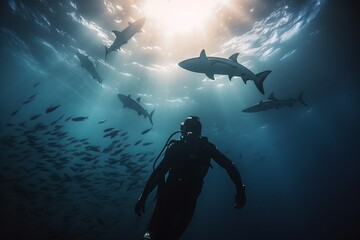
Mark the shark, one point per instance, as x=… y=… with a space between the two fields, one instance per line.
x=125 y=35
x=133 y=104
x=273 y=103
x=89 y=66
x=224 y=66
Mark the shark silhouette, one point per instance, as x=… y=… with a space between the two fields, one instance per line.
x=128 y=102
x=223 y=66
x=125 y=35
x=273 y=103
x=89 y=66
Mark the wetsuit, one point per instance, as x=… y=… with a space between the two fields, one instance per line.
x=187 y=161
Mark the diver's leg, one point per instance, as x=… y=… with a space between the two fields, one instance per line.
x=155 y=222
x=160 y=220
x=183 y=220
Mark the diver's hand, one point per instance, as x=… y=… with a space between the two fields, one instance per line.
x=140 y=205
x=240 y=199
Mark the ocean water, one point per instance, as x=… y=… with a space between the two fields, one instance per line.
x=67 y=179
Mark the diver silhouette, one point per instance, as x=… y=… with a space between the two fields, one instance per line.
x=187 y=162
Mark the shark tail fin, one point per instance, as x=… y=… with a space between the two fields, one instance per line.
x=150 y=116
x=106 y=52
x=300 y=99
x=259 y=82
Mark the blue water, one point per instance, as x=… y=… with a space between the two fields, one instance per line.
x=65 y=180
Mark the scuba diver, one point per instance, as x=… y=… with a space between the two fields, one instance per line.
x=187 y=162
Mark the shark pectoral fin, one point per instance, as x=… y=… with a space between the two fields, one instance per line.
x=300 y=99
x=116 y=32
x=230 y=76
x=106 y=51
x=234 y=57
x=272 y=96
x=209 y=75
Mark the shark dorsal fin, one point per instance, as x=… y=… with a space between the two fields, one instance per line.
x=234 y=57
x=116 y=32
x=203 y=54
x=129 y=96
x=271 y=96
x=138 y=99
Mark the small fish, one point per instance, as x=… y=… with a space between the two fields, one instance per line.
x=89 y=158
x=27 y=101
x=32 y=96
x=147 y=143
x=146 y=131
x=100 y=221
x=123 y=134
x=39 y=126
x=35 y=117
x=137 y=142
x=107 y=150
x=111 y=134
x=93 y=148
x=36 y=84
x=108 y=129
x=102 y=121
x=68 y=119
x=22 y=124
x=78 y=119
x=52 y=108
x=54 y=122
x=15 y=112
x=117 y=152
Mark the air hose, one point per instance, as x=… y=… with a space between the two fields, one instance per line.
x=166 y=144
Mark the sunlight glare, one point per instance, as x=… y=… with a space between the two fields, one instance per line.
x=180 y=16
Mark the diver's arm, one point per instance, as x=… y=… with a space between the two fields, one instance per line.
x=152 y=182
x=156 y=176
x=234 y=174
x=231 y=169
